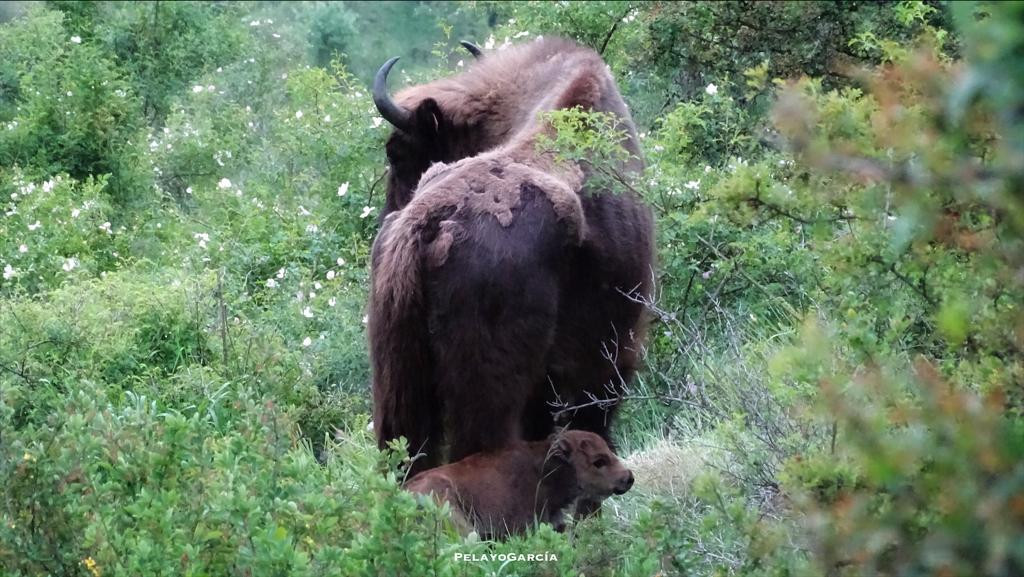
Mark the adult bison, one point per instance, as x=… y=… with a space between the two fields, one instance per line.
x=498 y=274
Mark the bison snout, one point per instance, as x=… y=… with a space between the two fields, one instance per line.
x=624 y=483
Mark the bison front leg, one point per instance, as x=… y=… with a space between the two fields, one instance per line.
x=489 y=371
x=489 y=351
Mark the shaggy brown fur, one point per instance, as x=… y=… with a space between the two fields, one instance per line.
x=496 y=97
x=504 y=492
x=498 y=287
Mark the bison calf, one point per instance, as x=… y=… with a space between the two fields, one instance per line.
x=504 y=492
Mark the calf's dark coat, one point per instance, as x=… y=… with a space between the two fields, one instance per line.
x=504 y=492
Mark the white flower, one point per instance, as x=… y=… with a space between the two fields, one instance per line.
x=202 y=237
x=366 y=211
x=312 y=295
x=303 y=211
x=106 y=227
x=298 y=114
x=35 y=225
x=69 y=93
x=280 y=273
x=330 y=273
x=711 y=89
x=271 y=283
x=48 y=185
x=317 y=285
x=490 y=43
x=307 y=312
x=311 y=228
x=70 y=264
x=307 y=341
x=298 y=296
x=343 y=189
x=377 y=120
x=75 y=212
x=341 y=261
x=327 y=118
x=460 y=64
x=366 y=319
x=188 y=190
x=276 y=35
x=332 y=301
x=9 y=272
x=211 y=88
x=707 y=169
x=197 y=89
x=224 y=183
x=23 y=248
x=76 y=39
x=254 y=23
x=692 y=185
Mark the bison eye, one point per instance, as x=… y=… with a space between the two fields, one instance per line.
x=600 y=462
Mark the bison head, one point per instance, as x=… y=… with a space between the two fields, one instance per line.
x=423 y=135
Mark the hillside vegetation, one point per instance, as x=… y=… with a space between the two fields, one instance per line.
x=833 y=379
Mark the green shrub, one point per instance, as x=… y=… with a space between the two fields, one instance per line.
x=75 y=112
x=56 y=230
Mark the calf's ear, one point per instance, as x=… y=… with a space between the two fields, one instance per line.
x=585 y=445
x=561 y=447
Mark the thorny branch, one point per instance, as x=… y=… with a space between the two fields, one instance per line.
x=611 y=32
x=757 y=201
x=707 y=401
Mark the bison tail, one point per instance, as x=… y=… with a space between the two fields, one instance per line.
x=404 y=399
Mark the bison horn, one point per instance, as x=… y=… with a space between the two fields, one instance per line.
x=399 y=117
x=473 y=48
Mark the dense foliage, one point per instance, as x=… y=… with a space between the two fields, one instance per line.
x=833 y=382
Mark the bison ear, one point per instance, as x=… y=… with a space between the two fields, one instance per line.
x=584 y=91
x=428 y=118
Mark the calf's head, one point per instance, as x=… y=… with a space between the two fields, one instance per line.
x=599 y=473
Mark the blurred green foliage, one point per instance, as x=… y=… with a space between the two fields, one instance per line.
x=189 y=191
